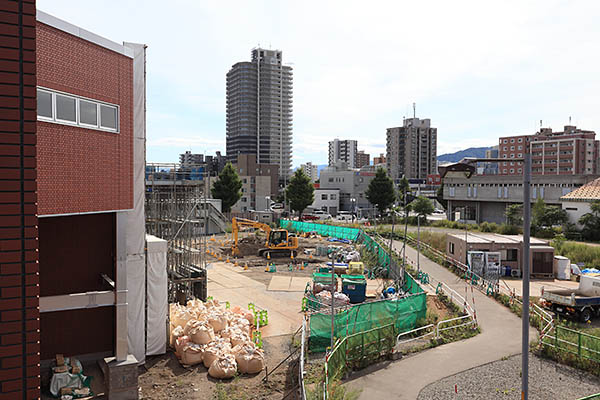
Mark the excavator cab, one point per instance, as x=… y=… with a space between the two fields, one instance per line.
x=278 y=238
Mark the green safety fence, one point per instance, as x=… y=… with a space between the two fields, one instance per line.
x=359 y=350
x=575 y=342
x=591 y=397
x=402 y=314
x=340 y=232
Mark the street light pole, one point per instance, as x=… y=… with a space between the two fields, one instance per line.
x=526 y=261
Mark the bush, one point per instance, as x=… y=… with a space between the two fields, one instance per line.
x=506 y=229
x=489 y=227
x=579 y=253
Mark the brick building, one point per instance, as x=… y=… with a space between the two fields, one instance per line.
x=67 y=194
x=573 y=151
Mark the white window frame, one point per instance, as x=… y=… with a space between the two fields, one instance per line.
x=77 y=122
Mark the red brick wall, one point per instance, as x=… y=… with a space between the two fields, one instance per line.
x=83 y=170
x=19 y=289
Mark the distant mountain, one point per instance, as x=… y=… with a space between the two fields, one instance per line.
x=459 y=155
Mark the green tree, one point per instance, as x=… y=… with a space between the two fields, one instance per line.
x=514 y=215
x=381 y=191
x=545 y=217
x=403 y=188
x=422 y=206
x=228 y=187
x=591 y=222
x=439 y=194
x=300 y=192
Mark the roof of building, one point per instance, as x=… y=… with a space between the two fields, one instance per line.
x=588 y=192
x=74 y=30
x=484 y=238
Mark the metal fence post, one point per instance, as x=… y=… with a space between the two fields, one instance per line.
x=579 y=344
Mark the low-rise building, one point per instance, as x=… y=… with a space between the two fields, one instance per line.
x=352 y=184
x=259 y=183
x=578 y=202
x=379 y=160
x=327 y=200
x=510 y=247
x=362 y=159
x=480 y=198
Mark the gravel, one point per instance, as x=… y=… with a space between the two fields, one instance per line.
x=502 y=380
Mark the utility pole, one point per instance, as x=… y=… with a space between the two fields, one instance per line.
x=526 y=251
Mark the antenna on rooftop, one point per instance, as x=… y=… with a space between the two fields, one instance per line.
x=569 y=120
x=540 y=124
x=414 y=110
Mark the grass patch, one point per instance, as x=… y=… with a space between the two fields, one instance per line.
x=336 y=392
x=579 y=253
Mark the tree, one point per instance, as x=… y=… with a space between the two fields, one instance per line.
x=514 y=215
x=300 y=192
x=422 y=206
x=591 y=222
x=381 y=191
x=545 y=217
x=228 y=187
x=403 y=188
x=439 y=194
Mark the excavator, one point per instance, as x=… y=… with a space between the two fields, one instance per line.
x=279 y=241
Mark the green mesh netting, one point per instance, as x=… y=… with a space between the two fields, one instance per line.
x=402 y=313
x=340 y=232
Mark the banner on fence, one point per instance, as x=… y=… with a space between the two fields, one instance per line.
x=340 y=232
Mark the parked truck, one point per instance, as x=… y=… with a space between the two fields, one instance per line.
x=582 y=303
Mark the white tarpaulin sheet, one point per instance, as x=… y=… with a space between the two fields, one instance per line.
x=156 y=323
x=136 y=264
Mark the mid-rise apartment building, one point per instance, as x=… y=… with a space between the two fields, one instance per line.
x=411 y=150
x=198 y=165
x=343 y=150
x=259 y=109
x=311 y=170
x=259 y=182
x=572 y=151
x=352 y=184
x=362 y=159
x=379 y=160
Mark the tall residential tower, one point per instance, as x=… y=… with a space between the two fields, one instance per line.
x=259 y=110
x=412 y=149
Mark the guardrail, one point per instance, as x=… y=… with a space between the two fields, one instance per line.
x=578 y=343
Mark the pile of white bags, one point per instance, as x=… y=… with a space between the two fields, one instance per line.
x=217 y=337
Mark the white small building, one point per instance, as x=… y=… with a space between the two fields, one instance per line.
x=577 y=203
x=327 y=200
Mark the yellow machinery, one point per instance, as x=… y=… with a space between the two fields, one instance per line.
x=279 y=242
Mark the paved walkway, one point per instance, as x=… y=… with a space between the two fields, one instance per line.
x=404 y=379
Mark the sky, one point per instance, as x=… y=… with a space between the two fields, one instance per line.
x=478 y=69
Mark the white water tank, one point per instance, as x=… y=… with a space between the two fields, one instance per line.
x=562 y=267
x=589 y=285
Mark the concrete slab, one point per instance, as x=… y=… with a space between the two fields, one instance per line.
x=535 y=287
x=280 y=283
x=228 y=283
x=298 y=284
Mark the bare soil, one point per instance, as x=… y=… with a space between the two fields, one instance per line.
x=163 y=377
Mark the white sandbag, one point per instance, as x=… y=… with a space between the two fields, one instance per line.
x=250 y=359
x=175 y=334
x=217 y=321
x=191 y=324
x=180 y=343
x=223 y=367
x=192 y=354
x=249 y=315
x=241 y=323
x=202 y=334
x=227 y=332
x=238 y=337
x=214 y=349
x=181 y=317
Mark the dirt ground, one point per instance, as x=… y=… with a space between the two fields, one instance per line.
x=163 y=377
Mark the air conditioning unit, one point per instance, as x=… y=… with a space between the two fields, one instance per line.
x=515 y=273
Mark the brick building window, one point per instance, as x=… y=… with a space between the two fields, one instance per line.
x=64 y=108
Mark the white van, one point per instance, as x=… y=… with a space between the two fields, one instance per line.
x=322 y=215
x=344 y=216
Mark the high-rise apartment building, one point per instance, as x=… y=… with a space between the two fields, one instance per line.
x=343 y=150
x=312 y=171
x=259 y=109
x=573 y=151
x=362 y=159
x=412 y=149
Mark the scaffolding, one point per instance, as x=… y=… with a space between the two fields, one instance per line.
x=178 y=212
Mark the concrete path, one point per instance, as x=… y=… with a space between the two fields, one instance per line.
x=404 y=379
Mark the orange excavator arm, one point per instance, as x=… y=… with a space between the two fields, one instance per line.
x=236 y=223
